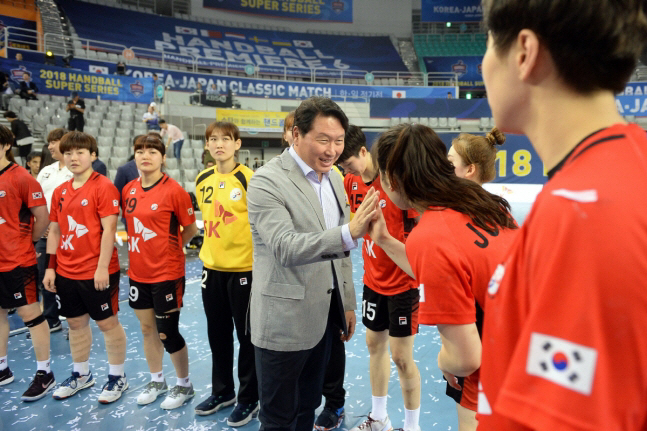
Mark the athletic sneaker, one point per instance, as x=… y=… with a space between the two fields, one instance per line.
x=178 y=396
x=329 y=419
x=43 y=383
x=151 y=391
x=72 y=385
x=112 y=390
x=214 y=403
x=243 y=413
x=371 y=424
x=6 y=376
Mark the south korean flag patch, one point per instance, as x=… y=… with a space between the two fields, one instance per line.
x=562 y=362
x=354 y=186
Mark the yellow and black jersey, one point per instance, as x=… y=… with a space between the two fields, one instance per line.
x=222 y=198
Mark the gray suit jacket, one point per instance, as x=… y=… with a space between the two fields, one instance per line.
x=293 y=250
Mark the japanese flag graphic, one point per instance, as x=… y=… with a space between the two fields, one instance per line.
x=186 y=30
x=399 y=94
x=562 y=362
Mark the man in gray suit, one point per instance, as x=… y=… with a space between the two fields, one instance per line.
x=303 y=291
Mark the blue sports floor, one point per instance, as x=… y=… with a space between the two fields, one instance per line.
x=83 y=412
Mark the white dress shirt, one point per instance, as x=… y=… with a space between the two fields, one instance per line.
x=52 y=176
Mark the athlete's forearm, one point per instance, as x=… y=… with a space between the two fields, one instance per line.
x=53 y=238
x=188 y=233
x=396 y=252
x=109 y=225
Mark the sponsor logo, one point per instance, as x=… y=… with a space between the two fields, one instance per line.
x=354 y=186
x=210 y=227
x=236 y=194
x=460 y=68
x=483 y=403
x=3 y=193
x=338 y=6
x=84 y=203
x=562 y=362
x=136 y=89
x=75 y=227
x=64 y=191
x=495 y=281
x=190 y=211
x=221 y=185
x=17 y=295
x=115 y=203
x=154 y=207
x=369 y=248
x=169 y=297
x=46 y=175
x=37 y=195
x=133 y=191
x=17 y=74
x=104 y=307
x=402 y=320
x=2 y=221
x=382 y=203
x=243 y=281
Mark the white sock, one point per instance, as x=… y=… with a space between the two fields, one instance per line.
x=157 y=377
x=183 y=381
x=378 y=411
x=43 y=365
x=83 y=368
x=411 y=419
x=3 y=363
x=116 y=370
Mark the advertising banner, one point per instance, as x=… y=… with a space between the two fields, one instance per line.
x=253 y=121
x=62 y=81
x=23 y=40
x=451 y=10
x=316 y=10
x=468 y=68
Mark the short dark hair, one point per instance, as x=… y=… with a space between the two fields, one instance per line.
x=225 y=127
x=150 y=140
x=316 y=106
x=78 y=141
x=136 y=138
x=161 y=121
x=353 y=143
x=10 y=114
x=56 y=134
x=594 y=44
x=33 y=154
x=6 y=138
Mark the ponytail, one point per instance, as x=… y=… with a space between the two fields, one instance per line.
x=7 y=138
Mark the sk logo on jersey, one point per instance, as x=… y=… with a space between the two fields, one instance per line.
x=146 y=234
x=226 y=216
x=495 y=281
x=369 y=248
x=78 y=229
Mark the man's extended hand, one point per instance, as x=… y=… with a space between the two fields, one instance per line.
x=350 y=325
x=366 y=212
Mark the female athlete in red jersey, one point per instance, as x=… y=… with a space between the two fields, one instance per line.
x=451 y=253
x=473 y=156
x=156 y=208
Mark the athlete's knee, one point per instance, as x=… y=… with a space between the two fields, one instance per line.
x=35 y=322
x=377 y=343
x=403 y=360
x=108 y=324
x=168 y=326
x=148 y=330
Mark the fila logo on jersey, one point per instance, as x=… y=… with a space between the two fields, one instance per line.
x=369 y=248
x=382 y=203
x=104 y=307
x=495 y=281
x=78 y=229
x=221 y=185
x=243 y=281
x=403 y=320
x=354 y=186
x=133 y=191
x=236 y=194
x=169 y=297
x=37 y=195
x=562 y=362
x=154 y=207
x=84 y=203
x=3 y=193
x=146 y=234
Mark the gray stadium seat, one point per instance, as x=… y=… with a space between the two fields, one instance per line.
x=442 y=122
x=115 y=162
x=120 y=152
x=114 y=116
x=16 y=103
x=92 y=122
x=433 y=122
x=94 y=131
x=190 y=174
x=107 y=131
x=104 y=140
x=95 y=115
x=123 y=133
x=109 y=123
x=112 y=173
x=105 y=152
x=27 y=113
x=186 y=153
x=189 y=186
x=174 y=173
x=197 y=143
x=171 y=163
x=484 y=123
x=452 y=122
x=121 y=141
x=188 y=163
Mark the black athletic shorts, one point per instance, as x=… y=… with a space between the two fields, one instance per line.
x=397 y=313
x=78 y=297
x=161 y=297
x=19 y=287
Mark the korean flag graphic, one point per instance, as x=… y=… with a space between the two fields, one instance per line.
x=186 y=30
x=562 y=362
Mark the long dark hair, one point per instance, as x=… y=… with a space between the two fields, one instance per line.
x=414 y=160
x=6 y=138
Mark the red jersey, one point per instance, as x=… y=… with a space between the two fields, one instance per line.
x=19 y=192
x=563 y=340
x=78 y=214
x=154 y=216
x=381 y=274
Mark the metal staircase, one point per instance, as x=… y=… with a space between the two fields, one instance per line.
x=55 y=28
